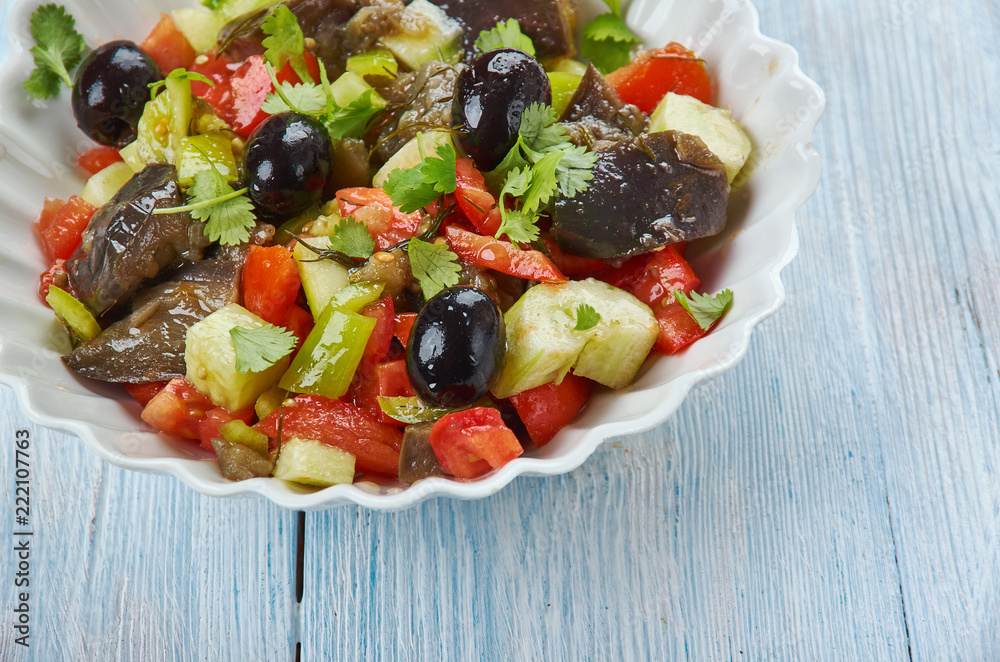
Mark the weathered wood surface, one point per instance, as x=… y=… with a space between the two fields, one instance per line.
x=834 y=497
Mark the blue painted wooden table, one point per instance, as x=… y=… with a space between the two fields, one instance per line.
x=834 y=497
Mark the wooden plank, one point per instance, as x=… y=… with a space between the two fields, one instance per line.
x=916 y=172
x=130 y=566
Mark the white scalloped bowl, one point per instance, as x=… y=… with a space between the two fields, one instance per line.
x=756 y=77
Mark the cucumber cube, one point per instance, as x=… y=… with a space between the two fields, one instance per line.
x=428 y=34
x=314 y=463
x=543 y=343
x=211 y=360
x=321 y=279
x=103 y=185
x=716 y=127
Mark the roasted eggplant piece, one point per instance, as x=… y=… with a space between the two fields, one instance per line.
x=148 y=344
x=425 y=100
x=416 y=457
x=125 y=243
x=655 y=190
x=551 y=24
x=597 y=113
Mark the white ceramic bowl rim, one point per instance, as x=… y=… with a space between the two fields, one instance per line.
x=757 y=77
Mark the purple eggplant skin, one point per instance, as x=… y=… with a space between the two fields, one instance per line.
x=658 y=189
x=125 y=243
x=551 y=24
x=148 y=345
x=416 y=457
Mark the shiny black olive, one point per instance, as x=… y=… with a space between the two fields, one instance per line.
x=286 y=163
x=492 y=95
x=110 y=91
x=456 y=347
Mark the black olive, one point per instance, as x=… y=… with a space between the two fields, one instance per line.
x=456 y=347
x=286 y=163
x=492 y=95
x=111 y=90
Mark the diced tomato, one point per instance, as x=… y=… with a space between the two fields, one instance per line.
x=384 y=314
x=168 y=46
x=677 y=328
x=572 y=265
x=238 y=98
x=469 y=443
x=270 y=282
x=178 y=409
x=373 y=207
x=388 y=379
x=55 y=275
x=218 y=69
x=208 y=427
x=97 y=159
x=548 y=408
x=299 y=321
x=143 y=393
x=337 y=423
x=502 y=256
x=665 y=272
x=474 y=199
x=403 y=326
x=60 y=226
x=648 y=78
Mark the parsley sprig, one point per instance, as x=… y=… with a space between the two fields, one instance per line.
x=505 y=35
x=317 y=100
x=258 y=349
x=608 y=40
x=434 y=266
x=227 y=213
x=285 y=42
x=415 y=188
x=705 y=309
x=541 y=163
x=57 y=51
x=586 y=317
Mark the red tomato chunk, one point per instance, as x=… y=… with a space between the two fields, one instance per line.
x=469 y=443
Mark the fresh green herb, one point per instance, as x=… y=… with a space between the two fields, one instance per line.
x=608 y=41
x=317 y=101
x=415 y=188
x=178 y=74
x=57 y=51
x=541 y=162
x=434 y=266
x=212 y=4
x=353 y=239
x=703 y=308
x=505 y=35
x=586 y=317
x=228 y=214
x=330 y=254
x=410 y=410
x=285 y=42
x=260 y=348
x=350 y=121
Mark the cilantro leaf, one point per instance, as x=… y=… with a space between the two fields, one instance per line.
x=575 y=170
x=227 y=214
x=434 y=266
x=178 y=74
x=415 y=188
x=586 y=317
x=350 y=121
x=353 y=239
x=505 y=35
x=212 y=4
x=57 y=51
x=703 y=308
x=543 y=183
x=260 y=348
x=285 y=41
x=539 y=131
x=608 y=42
x=304 y=98
x=519 y=225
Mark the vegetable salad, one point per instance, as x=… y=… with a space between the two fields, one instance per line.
x=327 y=239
